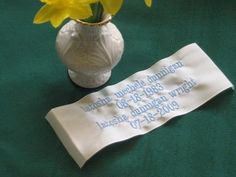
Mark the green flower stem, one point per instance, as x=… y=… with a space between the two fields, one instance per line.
x=97 y=9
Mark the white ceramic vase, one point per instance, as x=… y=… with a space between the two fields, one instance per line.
x=90 y=51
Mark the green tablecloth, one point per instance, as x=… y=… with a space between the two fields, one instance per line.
x=33 y=80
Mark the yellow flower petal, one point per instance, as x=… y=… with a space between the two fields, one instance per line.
x=83 y=13
x=80 y=11
x=58 y=10
x=112 y=6
x=44 y=14
x=59 y=17
x=148 y=3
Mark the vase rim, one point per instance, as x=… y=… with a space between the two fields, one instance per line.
x=106 y=18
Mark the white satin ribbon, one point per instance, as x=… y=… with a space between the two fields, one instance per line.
x=146 y=100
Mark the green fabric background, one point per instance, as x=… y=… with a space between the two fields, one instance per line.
x=33 y=80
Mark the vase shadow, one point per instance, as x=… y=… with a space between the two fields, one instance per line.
x=59 y=93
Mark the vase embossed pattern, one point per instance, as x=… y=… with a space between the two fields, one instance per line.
x=90 y=50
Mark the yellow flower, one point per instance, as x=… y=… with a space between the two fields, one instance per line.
x=56 y=11
x=111 y=6
x=148 y=3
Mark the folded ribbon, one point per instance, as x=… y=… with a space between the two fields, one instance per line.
x=146 y=100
